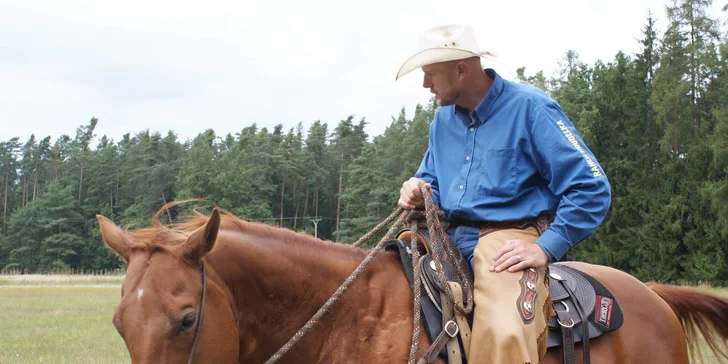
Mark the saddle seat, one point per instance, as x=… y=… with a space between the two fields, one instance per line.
x=578 y=299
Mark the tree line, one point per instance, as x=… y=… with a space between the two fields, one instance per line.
x=657 y=121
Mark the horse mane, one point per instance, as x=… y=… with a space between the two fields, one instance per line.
x=159 y=236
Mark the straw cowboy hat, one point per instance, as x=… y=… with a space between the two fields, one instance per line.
x=442 y=44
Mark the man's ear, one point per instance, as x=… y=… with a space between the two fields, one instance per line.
x=461 y=69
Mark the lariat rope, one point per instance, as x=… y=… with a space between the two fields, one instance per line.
x=439 y=241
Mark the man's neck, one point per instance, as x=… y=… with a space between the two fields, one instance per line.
x=475 y=93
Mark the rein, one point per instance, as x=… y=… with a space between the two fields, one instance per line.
x=202 y=310
x=439 y=238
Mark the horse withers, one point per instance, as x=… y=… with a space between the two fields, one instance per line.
x=255 y=286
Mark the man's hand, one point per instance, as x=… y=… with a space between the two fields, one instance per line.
x=410 y=196
x=516 y=255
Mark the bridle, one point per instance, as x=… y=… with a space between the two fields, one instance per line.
x=202 y=310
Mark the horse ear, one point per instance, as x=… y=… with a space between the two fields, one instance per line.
x=114 y=238
x=203 y=239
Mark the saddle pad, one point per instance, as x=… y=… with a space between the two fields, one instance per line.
x=605 y=316
x=576 y=281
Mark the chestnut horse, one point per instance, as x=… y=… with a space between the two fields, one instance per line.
x=264 y=283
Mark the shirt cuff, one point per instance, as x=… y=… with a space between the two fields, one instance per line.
x=553 y=245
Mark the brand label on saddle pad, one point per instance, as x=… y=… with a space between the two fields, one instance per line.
x=603 y=311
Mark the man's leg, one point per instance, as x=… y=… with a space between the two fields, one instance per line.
x=508 y=328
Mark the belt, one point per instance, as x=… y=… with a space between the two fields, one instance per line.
x=540 y=222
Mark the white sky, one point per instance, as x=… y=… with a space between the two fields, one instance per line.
x=192 y=65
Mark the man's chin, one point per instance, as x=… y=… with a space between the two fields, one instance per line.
x=441 y=102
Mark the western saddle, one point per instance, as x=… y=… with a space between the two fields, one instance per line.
x=582 y=306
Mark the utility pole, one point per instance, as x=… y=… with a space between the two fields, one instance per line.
x=315 y=221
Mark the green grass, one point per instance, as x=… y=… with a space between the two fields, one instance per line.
x=59 y=324
x=67 y=319
x=717 y=291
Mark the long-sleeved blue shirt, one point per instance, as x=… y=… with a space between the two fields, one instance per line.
x=517 y=157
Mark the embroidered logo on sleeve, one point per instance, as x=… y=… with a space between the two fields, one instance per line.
x=572 y=139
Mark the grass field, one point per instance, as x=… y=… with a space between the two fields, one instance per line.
x=59 y=319
x=67 y=319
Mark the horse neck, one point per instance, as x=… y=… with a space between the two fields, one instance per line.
x=278 y=284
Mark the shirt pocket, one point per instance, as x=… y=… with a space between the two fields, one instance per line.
x=498 y=173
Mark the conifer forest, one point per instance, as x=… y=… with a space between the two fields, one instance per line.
x=657 y=121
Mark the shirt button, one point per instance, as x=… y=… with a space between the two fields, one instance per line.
x=471 y=129
x=461 y=187
x=467 y=158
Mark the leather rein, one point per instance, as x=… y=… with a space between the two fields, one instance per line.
x=202 y=310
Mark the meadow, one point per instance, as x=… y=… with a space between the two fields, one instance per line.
x=59 y=319
x=66 y=319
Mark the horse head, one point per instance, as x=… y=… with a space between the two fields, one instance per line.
x=163 y=292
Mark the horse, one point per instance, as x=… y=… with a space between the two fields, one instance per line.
x=217 y=289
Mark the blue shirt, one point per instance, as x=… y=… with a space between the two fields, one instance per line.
x=518 y=156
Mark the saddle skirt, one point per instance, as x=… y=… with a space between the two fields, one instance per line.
x=594 y=300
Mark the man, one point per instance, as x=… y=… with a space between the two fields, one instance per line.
x=502 y=161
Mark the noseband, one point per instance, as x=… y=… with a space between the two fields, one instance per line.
x=199 y=316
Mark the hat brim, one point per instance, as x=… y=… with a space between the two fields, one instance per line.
x=435 y=55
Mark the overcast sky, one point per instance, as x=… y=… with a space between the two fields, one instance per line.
x=192 y=65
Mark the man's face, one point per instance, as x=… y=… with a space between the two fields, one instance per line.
x=442 y=80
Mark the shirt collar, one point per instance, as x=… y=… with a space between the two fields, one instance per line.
x=480 y=113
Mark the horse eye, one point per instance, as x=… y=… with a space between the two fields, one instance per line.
x=188 y=321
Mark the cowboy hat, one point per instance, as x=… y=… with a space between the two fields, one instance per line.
x=442 y=44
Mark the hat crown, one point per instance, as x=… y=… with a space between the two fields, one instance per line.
x=442 y=44
x=449 y=36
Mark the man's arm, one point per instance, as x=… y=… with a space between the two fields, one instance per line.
x=426 y=171
x=573 y=174
x=410 y=195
